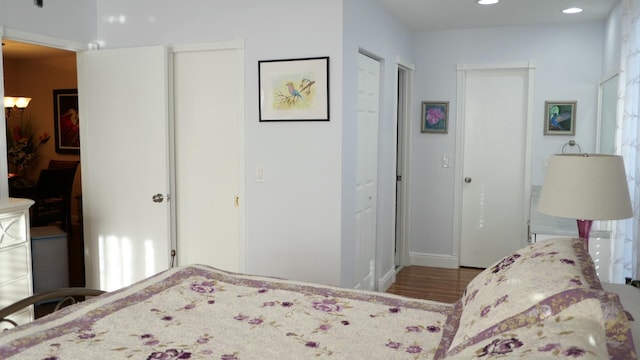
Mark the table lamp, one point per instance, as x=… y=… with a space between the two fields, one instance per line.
x=586 y=187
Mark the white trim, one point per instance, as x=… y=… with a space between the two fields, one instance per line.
x=405 y=63
x=489 y=67
x=387 y=280
x=599 y=112
x=242 y=209
x=526 y=201
x=457 y=192
x=223 y=45
x=44 y=40
x=434 y=260
x=4 y=168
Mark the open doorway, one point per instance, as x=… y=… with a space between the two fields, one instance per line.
x=39 y=72
x=402 y=171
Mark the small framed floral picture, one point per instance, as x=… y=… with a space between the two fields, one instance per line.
x=435 y=117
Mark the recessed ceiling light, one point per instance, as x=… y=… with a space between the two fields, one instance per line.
x=573 y=10
x=488 y=2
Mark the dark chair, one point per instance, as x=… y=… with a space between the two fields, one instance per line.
x=57 y=164
x=53 y=197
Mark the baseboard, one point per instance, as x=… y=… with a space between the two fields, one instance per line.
x=434 y=260
x=385 y=282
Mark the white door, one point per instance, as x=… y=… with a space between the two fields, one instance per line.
x=367 y=171
x=495 y=165
x=207 y=93
x=123 y=96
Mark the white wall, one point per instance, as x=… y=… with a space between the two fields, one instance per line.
x=569 y=65
x=293 y=219
x=368 y=28
x=612 y=42
x=66 y=19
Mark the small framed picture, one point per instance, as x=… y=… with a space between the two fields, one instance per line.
x=294 y=89
x=66 y=121
x=560 y=117
x=435 y=117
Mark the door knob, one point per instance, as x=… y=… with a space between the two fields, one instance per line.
x=157 y=198
x=467 y=180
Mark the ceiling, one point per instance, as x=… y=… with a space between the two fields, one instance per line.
x=430 y=15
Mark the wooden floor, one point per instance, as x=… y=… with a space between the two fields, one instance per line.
x=437 y=284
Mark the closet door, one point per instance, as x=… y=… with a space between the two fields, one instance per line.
x=208 y=107
x=123 y=103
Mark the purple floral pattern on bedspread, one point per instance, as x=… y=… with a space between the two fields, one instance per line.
x=541 y=302
x=521 y=280
x=198 y=312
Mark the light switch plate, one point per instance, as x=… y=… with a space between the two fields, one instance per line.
x=446 y=161
x=260 y=175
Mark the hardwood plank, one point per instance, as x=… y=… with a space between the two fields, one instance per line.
x=437 y=284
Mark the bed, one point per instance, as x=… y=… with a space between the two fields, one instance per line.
x=198 y=312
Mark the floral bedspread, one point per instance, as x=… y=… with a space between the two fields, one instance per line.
x=198 y=312
x=542 y=302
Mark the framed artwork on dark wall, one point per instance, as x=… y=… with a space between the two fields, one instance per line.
x=294 y=89
x=66 y=121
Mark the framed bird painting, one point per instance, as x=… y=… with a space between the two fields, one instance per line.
x=294 y=89
x=560 y=117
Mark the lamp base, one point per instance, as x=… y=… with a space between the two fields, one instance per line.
x=584 y=229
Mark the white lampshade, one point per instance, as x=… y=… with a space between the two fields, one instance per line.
x=586 y=186
x=20 y=102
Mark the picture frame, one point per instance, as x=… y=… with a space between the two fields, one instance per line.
x=435 y=117
x=66 y=121
x=294 y=89
x=560 y=117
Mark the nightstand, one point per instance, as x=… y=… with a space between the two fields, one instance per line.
x=15 y=256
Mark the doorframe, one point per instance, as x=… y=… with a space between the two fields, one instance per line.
x=462 y=70
x=403 y=114
x=35 y=39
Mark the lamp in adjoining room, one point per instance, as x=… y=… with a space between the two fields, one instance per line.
x=12 y=101
x=586 y=187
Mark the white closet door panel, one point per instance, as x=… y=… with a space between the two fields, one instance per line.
x=207 y=103
x=123 y=96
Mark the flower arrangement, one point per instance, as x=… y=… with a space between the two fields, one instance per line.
x=23 y=145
